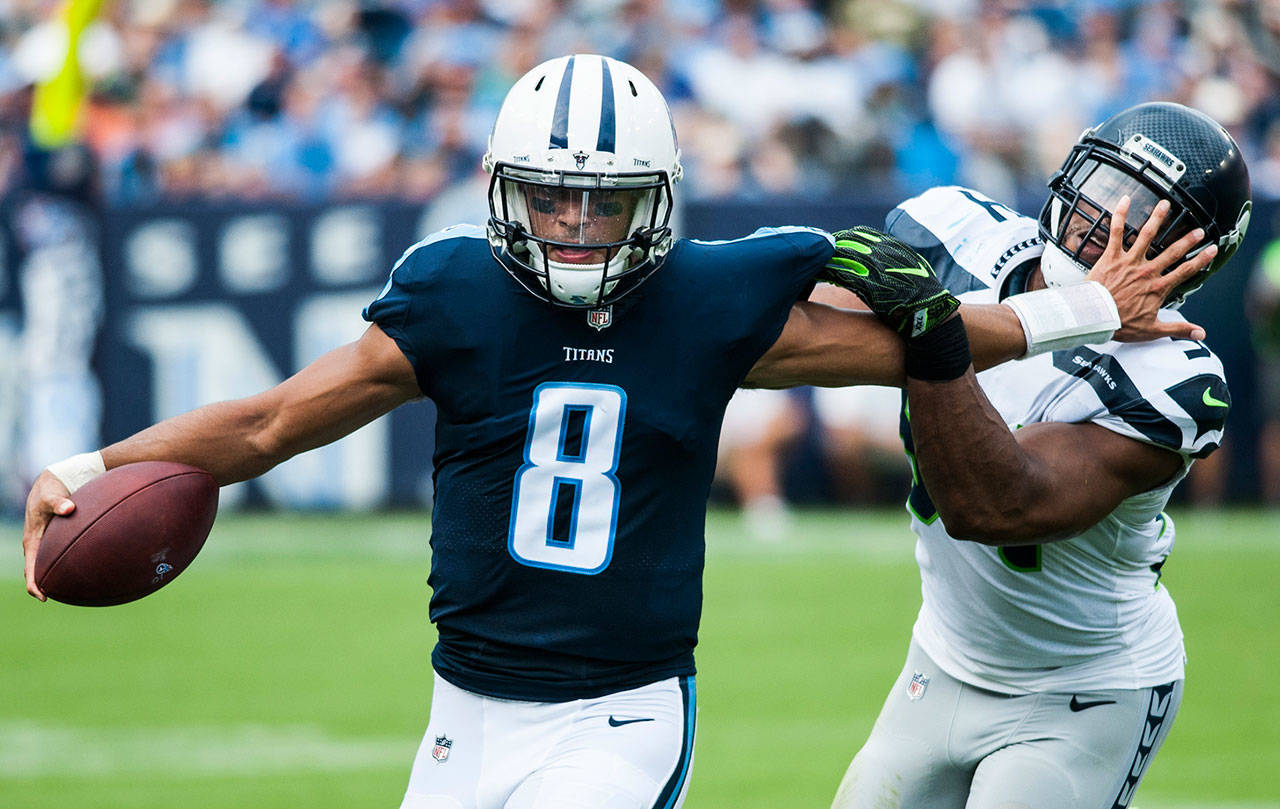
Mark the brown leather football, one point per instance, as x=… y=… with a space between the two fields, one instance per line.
x=134 y=529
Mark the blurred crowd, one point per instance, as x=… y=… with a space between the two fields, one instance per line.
x=278 y=99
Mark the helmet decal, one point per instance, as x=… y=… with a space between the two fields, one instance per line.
x=1166 y=163
x=608 y=128
x=560 y=122
x=1233 y=239
x=608 y=123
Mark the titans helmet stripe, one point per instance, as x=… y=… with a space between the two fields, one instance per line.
x=605 y=141
x=560 y=122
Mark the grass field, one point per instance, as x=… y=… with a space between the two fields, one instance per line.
x=288 y=668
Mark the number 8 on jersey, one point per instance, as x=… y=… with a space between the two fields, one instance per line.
x=564 y=509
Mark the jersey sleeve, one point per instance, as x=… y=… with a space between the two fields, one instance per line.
x=392 y=310
x=786 y=261
x=1168 y=393
x=403 y=308
x=971 y=241
x=742 y=290
x=800 y=252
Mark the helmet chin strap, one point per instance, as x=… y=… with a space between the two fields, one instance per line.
x=579 y=283
x=1058 y=269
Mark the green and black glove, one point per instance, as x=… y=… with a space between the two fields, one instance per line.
x=901 y=288
x=894 y=280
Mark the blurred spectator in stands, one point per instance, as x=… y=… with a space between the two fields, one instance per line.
x=52 y=209
x=911 y=93
x=859 y=438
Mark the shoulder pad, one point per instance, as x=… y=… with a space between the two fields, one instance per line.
x=972 y=241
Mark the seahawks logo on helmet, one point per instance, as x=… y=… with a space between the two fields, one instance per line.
x=1233 y=239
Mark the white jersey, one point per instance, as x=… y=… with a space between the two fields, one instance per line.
x=1087 y=612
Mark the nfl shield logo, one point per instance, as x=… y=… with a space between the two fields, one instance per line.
x=600 y=319
x=915 y=688
x=440 y=751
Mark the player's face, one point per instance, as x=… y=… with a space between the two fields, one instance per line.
x=1090 y=223
x=579 y=216
x=1080 y=229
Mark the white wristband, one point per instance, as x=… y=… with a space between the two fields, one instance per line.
x=78 y=470
x=1064 y=317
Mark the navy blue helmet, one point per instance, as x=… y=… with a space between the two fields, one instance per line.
x=1149 y=152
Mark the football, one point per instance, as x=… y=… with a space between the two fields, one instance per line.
x=134 y=529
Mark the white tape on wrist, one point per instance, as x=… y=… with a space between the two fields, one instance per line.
x=1064 y=317
x=78 y=470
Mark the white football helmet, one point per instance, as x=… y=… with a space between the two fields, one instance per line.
x=583 y=157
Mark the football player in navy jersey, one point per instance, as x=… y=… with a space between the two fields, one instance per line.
x=1046 y=664
x=579 y=393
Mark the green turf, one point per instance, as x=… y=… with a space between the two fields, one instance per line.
x=288 y=668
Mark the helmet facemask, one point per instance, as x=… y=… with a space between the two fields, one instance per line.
x=1075 y=222
x=579 y=240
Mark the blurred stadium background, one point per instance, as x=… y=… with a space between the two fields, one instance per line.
x=204 y=199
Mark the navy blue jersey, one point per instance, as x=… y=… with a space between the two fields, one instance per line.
x=575 y=451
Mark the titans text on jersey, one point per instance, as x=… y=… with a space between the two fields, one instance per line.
x=1089 y=611
x=604 y=355
x=573 y=462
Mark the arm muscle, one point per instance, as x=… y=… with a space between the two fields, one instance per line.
x=832 y=341
x=333 y=396
x=1045 y=482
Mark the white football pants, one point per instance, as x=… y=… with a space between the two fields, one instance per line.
x=628 y=750
x=942 y=744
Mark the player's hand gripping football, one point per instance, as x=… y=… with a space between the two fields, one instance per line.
x=892 y=279
x=1140 y=285
x=48 y=497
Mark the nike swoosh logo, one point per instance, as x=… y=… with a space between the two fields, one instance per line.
x=1076 y=705
x=1212 y=402
x=617 y=723
x=921 y=271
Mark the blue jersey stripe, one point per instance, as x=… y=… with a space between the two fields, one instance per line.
x=560 y=120
x=606 y=140
x=954 y=277
x=675 y=784
x=1118 y=394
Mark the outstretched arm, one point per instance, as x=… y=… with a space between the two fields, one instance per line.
x=333 y=396
x=832 y=348
x=337 y=394
x=832 y=341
